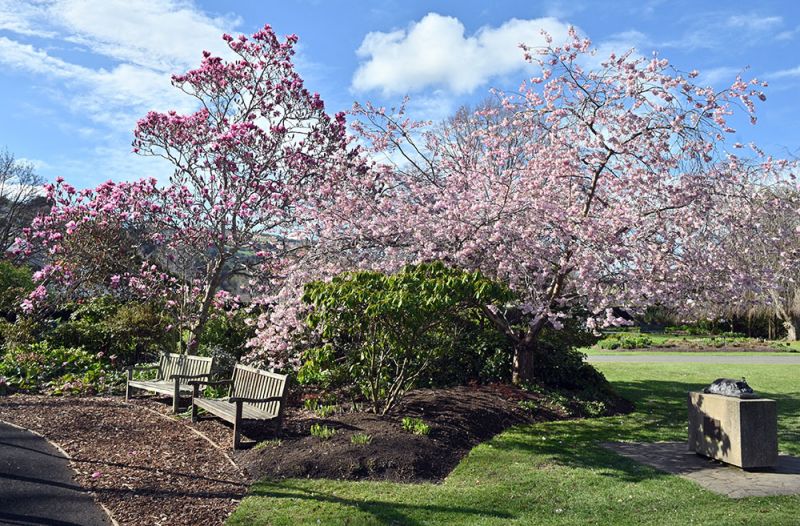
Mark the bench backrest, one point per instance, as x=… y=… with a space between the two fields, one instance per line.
x=183 y=364
x=250 y=382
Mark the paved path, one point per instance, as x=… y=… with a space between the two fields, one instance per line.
x=36 y=486
x=791 y=359
x=675 y=458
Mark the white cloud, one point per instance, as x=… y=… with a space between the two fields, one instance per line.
x=785 y=73
x=113 y=97
x=109 y=61
x=753 y=22
x=143 y=41
x=435 y=52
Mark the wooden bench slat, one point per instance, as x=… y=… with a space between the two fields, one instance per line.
x=173 y=364
x=247 y=382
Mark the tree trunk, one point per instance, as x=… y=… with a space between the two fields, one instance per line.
x=522 y=368
x=792 y=326
x=210 y=290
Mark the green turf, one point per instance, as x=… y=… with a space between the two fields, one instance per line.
x=594 y=351
x=556 y=473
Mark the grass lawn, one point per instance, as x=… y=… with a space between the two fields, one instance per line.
x=555 y=473
x=593 y=351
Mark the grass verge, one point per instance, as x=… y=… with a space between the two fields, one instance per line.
x=555 y=473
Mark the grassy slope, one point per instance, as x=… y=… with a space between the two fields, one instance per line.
x=555 y=473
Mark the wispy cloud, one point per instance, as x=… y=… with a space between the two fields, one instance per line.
x=753 y=22
x=785 y=73
x=109 y=61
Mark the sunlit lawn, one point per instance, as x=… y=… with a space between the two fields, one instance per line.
x=556 y=473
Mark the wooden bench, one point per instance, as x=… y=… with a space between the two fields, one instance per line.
x=254 y=394
x=173 y=374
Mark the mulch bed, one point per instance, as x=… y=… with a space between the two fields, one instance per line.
x=149 y=467
x=459 y=418
x=146 y=469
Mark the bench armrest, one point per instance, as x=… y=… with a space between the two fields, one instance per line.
x=235 y=399
x=188 y=376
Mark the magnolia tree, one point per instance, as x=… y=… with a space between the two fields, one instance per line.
x=577 y=191
x=245 y=165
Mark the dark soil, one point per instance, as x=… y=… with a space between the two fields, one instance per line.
x=459 y=418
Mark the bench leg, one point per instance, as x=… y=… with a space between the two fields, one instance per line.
x=128 y=385
x=195 y=394
x=176 y=397
x=237 y=427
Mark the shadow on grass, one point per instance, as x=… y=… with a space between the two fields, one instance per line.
x=383 y=511
x=661 y=415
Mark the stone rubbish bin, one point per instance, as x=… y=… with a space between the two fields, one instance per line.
x=728 y=422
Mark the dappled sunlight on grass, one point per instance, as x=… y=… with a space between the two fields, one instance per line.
x=557 y=473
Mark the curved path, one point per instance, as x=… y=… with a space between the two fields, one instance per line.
x=36 y=485
x=792 y=359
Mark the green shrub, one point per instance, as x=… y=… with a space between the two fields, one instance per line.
x=15 y=283
x=361 y=439
x=415 y=426
x=225 y=337
x=625 y=341
x=22 y=331
x=381 y=333
x=322 y=432
x=132 y=332
x=58 y=370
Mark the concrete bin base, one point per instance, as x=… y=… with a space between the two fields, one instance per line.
x=741 y=432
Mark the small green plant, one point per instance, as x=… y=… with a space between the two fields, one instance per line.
x=528 y=405
x=415 y=426
x=322 y=432
x=274 y=442
x=324 y=411
x=361 y=439
x=311 y=403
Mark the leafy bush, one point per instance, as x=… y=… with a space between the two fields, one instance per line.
x=415 y=426
x=381 y=333
x=225 y=337
x=15 y=283
x=322 y=432
x=625 y=341
x=130 y=331
x=58 y=370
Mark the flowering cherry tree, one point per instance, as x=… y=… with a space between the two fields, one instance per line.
x=747 y=256
x=244 y=165
x=577 y=191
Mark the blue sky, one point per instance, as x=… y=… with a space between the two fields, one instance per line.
x=75 y=75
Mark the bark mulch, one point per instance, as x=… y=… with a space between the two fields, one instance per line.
x=459 y=419
x=149 y=467
x=145 y=468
